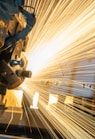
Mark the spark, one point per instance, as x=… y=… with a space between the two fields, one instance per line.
x=61 y=55
x=35 y=101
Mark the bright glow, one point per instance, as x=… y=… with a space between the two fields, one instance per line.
x=19 y=95
x=53 y=98
x=35 y=101
x=13 y=98
x=59 y=36
x=69 y=100
x=62 y=39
